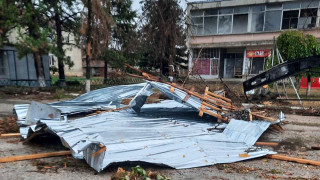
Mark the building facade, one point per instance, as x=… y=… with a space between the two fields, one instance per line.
x=73 y=53
x=233 y=39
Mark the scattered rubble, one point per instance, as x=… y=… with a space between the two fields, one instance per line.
x=191 y=130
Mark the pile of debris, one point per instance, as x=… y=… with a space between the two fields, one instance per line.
x=190 y=130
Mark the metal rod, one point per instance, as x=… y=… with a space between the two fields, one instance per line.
x=294 y=87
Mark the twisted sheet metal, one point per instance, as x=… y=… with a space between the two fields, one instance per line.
x=100 y=99
x=167 y=133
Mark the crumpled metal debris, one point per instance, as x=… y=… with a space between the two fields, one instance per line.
x=167 y=133
x=100 y=99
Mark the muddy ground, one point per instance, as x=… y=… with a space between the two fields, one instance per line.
x=301 y=132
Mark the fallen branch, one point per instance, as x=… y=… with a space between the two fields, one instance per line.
x=292 y=159
x=34 y=156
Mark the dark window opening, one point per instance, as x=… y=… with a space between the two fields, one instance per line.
x=210 y=25
x=256 y=65
x=225 y=24
x=273 y=20
x=197 y=25
x=240 y=23
x=257 y=22
x=290 y=19
x=308 y=18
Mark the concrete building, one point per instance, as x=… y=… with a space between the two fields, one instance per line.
x=73 y=53
x=236 y=36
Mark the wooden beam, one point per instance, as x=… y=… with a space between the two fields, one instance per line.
x=266 y=144
x=34 y=156
x=220 y=97
x=292 y=159
x=219 y=100
x=262 y=117
x=213 y=114
x=213 y=107
x=208 y=99
x=10 y=135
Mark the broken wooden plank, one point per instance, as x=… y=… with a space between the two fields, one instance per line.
x=266 y=144
x=220 y=97
x=292 y=159
x=262 y=117
x=34 y=156
x=213 y=114
x=213 y=107
x=10 y=135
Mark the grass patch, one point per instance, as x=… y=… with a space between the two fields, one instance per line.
x=61 y=94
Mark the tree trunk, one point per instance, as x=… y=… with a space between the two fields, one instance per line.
x=88 y=52
x=60 y=49
x=170 y=68
x=39 y=70
x=105 y=71
x=309 y=85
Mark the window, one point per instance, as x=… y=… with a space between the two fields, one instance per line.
x=197 y=22
x=291 y=5
x=240 y=23
x=225 y=24
x=210 y=25
x=256 y=65
x=51 y=62
x=226 y=11
x=197 y=25
x=241 y=9
x=308 y=18
x=310 y=4
x=257 y=22
x=274 y=6
x=273 y=20
x=290 y=19
x=208 y=62
x=67 y=39
x=258 y=8
x=211 y=12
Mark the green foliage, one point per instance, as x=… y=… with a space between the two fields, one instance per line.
x=138 y=173
x=53 y=69
x=8 y=19
x=295 y=44
x=161 y=34
x=123 y=49
x=33 y=30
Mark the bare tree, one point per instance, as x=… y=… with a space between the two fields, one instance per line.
x=96 y=28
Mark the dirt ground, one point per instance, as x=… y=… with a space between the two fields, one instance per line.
x=301 y=132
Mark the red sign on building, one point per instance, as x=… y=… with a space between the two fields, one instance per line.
x=258 y=53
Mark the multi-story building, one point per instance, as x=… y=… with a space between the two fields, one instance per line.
x=73 y=53
x=235 y=37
